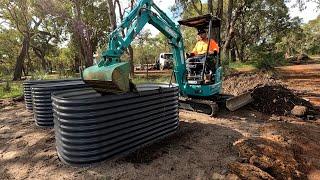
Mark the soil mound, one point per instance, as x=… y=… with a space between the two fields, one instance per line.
x=237 y=84
x=277 y=99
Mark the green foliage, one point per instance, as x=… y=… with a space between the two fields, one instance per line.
x=39 y=75
x=147 y=48
x=14 y=90
x=7 y=87
x=9 y=49
x=267 y=60
x=241 y=65
x=151 y=79
x=312 y=39
x=302 y=39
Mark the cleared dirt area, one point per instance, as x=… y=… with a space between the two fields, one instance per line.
x=305 y=79
x=245 y=144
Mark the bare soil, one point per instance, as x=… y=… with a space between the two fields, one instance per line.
x=245 y=144
x=304 y=80
x=238 y=83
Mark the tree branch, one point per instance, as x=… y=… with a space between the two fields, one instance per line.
x=195 y=7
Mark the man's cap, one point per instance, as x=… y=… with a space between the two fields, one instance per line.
x=201 y=31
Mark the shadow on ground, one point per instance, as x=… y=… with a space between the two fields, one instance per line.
x=196 y=150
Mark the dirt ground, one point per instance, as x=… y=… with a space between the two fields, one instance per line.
x=305 y=79
x=245 y=144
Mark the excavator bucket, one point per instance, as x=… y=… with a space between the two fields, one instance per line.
x=237 y=102
x=112 y=78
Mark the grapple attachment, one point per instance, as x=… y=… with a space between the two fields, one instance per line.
x=113 y=78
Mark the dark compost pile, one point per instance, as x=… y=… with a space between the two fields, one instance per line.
x=277 y=100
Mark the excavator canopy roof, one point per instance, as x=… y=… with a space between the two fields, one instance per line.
x=201 y=22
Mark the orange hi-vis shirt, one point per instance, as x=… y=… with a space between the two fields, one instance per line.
x=201 y=47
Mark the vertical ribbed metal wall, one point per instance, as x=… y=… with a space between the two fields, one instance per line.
x=42 y=103
x=90 y=128
x=27 y=89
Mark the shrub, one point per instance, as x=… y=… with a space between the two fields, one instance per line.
x=269 y=60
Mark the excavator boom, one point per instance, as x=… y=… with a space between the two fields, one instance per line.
x=111 y=75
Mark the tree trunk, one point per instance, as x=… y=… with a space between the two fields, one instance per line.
x=231 y=29
x=77 y=63
x=219 y=13
x=230 y=8
x=131 y=61
x=220 y=9
x=41 y=55
x=210 y=7
x=233 y=52
x=228 y=26
x=112 y=15
x=20 y=59
x=83 y=34
x=113 y=22
x=238 y=53
x=131 y=49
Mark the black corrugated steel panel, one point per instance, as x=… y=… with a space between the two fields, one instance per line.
x=27 y=89
x=42 y=103
x=90 y=128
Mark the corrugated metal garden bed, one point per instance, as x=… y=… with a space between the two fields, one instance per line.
x=42 y=103
x=90 y=128
x=27 y=89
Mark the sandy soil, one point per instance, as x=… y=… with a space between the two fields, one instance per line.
x=305 y=79
x=240 y=145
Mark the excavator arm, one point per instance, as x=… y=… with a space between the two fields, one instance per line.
x=111 y=74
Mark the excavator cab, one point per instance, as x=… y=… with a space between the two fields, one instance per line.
x=202 y=69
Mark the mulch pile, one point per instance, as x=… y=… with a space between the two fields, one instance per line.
x=276 y=99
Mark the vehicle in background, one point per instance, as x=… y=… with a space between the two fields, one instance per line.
x=165 y=61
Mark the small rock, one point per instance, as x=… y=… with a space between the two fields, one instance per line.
x=224 y=171
x=275 y=118
x=236 y=118
x=310 y=117
x=289 y=141
x=253 y=115
x=299 y=110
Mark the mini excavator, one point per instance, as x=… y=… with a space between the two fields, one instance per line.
x=199 y=79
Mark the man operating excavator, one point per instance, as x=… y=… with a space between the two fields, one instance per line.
x=199 y=52
x=202 y=45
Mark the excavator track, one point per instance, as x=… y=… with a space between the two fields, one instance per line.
x=210 y=107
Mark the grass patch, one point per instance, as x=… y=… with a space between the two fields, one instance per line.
x=10 y=89
x=242 y=65
x=46 y=76
x=151 y=79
